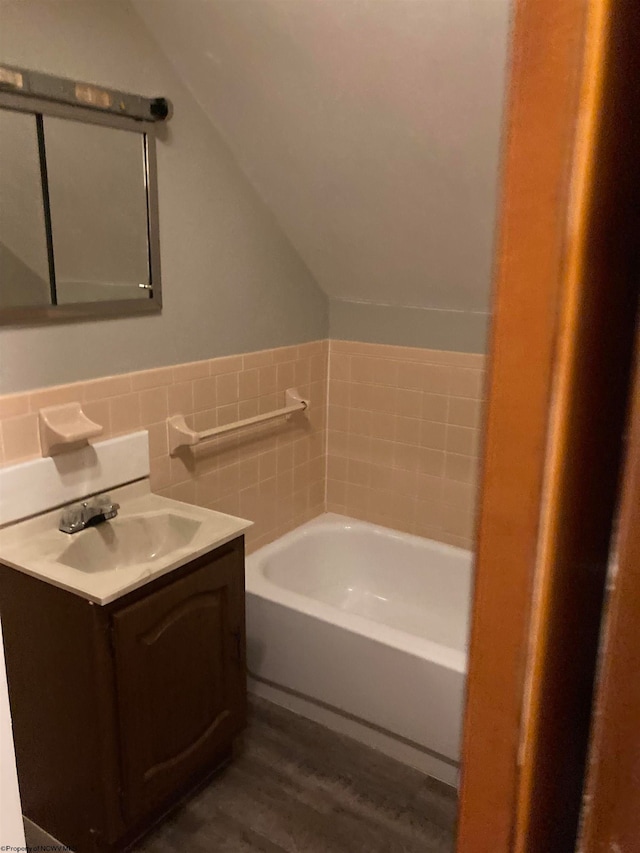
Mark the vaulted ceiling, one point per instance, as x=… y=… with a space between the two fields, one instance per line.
x=371 y=128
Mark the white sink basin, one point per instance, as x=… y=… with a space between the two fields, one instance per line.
x=129 y=541
x=150 y=536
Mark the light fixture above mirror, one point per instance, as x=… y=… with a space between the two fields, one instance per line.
x=78 y=200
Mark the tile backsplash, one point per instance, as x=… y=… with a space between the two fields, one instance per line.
x=273 y=474
x=392 y=434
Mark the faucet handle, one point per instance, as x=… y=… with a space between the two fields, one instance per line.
x=72 y=517
x=107 y=506
x=88 y=513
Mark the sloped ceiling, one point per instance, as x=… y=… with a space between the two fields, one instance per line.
x=371 y=128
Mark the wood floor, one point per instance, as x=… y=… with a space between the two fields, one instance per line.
x=300 y=788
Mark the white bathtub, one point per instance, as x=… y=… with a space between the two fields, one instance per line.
x=362 y=622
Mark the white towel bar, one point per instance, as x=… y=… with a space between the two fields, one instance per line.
x=180 y=435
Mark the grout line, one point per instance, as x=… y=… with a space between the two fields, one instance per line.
x=182 y=481
x=326 y=427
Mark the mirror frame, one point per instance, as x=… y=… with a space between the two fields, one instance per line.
x=39 y=314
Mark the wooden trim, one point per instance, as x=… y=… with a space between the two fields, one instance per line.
x=560 y=427
x=562 y=337
x=587 y=422
x=612 y=815
x=541 y=118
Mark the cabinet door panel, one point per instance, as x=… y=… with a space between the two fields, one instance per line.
x=180 y=680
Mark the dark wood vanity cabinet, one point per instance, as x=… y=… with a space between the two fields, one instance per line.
x=119 y=710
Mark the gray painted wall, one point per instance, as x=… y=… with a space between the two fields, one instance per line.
x=372 y=129
x=458 y=331
x=232 y=282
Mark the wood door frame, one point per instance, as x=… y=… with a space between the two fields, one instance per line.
x=612 y=815
x=561 y=344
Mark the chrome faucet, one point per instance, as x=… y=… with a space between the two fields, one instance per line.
x=87 y=514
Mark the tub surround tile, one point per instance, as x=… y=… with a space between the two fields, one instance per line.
x=466 y=383
x=248 y=384
x=191 y=370
x=226 y=414
x=268 y=402
x=464 y=440
x=248 y=408
x=203 y=393
x=154 y=405
x=112 y=386
x=392 y=435
x=267 y=379
x=125 y=413
x=302 y=372
x=464 y=412
x=256 y=359
x=403 y=437
x=150 y=378
x=158 y=440
x=461 y=468
x=161 y=475
x=180 y=398
x=227 y=364
x=227 y=388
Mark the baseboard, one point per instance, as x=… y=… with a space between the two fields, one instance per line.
x=400 y=750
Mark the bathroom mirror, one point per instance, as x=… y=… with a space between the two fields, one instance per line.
x=98 y=203
x=78 y=206
x=24 y=267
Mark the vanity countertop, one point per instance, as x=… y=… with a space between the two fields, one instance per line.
x=151 y=536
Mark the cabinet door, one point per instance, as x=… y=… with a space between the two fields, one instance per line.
x=180 y=681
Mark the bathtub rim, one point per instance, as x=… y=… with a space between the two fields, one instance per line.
x=259 y=585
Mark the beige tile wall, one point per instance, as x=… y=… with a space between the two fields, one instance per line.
x=403 y=437
x=400 y=447
x=273 y=474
